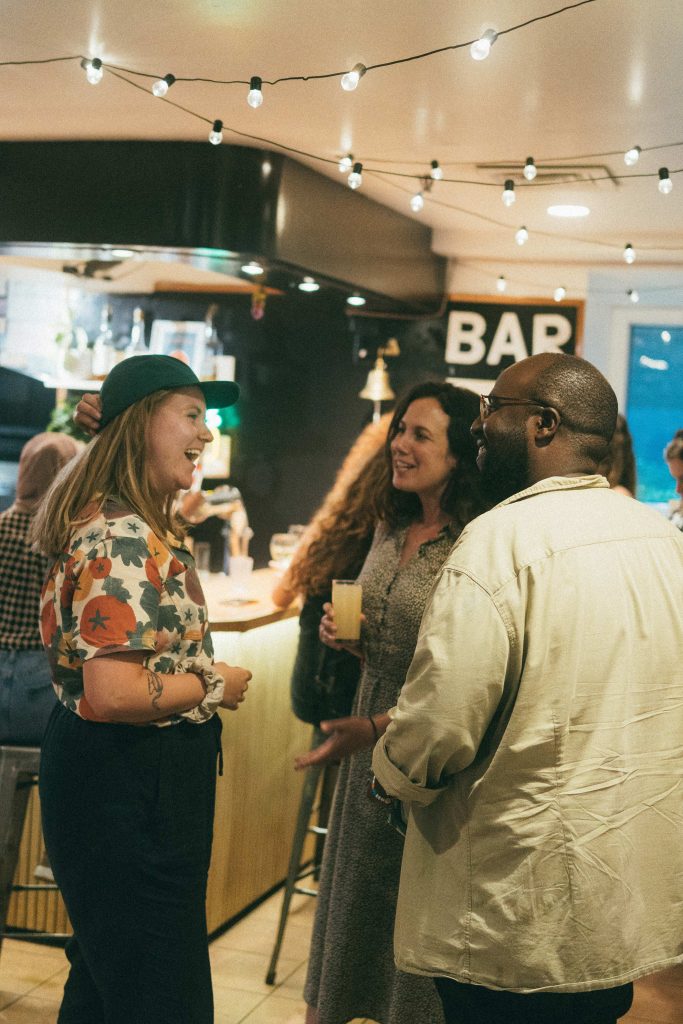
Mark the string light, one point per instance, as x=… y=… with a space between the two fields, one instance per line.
x=559 y=293
x=633 y=295
x=501 y=284
x=355 y=178
x=216 y=133
x=162 y=85
x=417 y=202
x=436 y=174
x=255 y=96
x=629 y=253
x=521 y=235
x=508 y=192
x=665 y=183
x=346 y=163
x=632 y=155
x=253 y=268
x=350 y=80
x=481 y=48
x=93 y=70
x=530 y=170
x=309 y=284
x=356 y=300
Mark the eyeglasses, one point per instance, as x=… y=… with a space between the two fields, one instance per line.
x=489 y=404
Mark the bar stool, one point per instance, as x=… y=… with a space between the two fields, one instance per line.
x=316 y=778
x=18 y=773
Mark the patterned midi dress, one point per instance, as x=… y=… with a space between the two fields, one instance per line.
x=351 y=969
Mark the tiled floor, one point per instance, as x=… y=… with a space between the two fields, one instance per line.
x=31 y=977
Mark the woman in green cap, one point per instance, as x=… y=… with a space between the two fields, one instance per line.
x=129 y=757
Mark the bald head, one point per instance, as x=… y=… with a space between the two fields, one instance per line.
x=584 y=398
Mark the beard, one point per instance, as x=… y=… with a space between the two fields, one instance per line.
x=505 y=469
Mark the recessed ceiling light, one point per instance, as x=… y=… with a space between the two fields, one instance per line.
x=122 y=254
x=252 y=268
x=568 y=211
x=356 y=300
x=309 y=284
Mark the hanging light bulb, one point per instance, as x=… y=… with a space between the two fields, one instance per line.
x=350 y=80
x=530 y=170
x=481 y=48
x=629 y=253
x=501 y=284
x=417 y=202
x=631 y=156
x=356 y=300
x=216 y=133
x=436 y=173
x=93 y=70
x=559 y=293
x=355 y=178
x=509 y=192
x=346 y=163
x=309 y=284
x=633 y=295
x=665 y=183
x=255 y=96
x=521 y=235
x=162 y=85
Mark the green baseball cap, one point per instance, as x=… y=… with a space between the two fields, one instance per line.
x=137 y=376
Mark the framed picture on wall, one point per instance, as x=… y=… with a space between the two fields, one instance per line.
x=183 y=339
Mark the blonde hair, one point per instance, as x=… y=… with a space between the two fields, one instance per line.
x=114 y=465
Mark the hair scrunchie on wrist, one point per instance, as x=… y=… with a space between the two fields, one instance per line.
x=213 y=682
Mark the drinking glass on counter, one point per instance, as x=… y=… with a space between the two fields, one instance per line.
x=241 y=567
x=282 y=547
x=347 y=598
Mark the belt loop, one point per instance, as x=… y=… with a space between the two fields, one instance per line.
x=218 y=729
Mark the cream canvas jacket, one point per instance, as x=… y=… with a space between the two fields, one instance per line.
x=539 y=742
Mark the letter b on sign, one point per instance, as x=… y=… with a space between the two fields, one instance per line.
x=465 y=344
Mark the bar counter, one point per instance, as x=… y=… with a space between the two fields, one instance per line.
x=258 y=794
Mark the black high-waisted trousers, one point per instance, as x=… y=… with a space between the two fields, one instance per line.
x=127 y=819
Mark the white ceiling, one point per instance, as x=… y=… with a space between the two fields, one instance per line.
x=593 y=80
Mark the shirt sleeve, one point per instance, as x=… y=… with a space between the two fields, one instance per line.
x=116 y=591
x=452 y=690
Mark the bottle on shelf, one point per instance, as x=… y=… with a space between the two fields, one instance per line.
x=75 y=354
x=137 y=345
x=103 y=351
x=212 y=345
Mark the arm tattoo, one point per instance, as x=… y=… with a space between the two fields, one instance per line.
x=155 y=686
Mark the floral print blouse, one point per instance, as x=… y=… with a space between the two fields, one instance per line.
x=120 y=588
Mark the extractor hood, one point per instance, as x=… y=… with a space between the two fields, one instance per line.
x=212 y=208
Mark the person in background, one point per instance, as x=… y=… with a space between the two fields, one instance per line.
x=128 y=767
x=620 y=464
x=26 y=694
x=431 y=492
x=334 y=546
x=537 y=739
x=673 y=454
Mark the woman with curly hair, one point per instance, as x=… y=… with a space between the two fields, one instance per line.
x=334 y=546
x=431 y=492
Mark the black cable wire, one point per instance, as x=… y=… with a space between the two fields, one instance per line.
x=323 y=75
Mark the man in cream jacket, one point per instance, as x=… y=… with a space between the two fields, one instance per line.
x=538 y=739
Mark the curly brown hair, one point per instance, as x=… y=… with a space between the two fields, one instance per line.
x=343 y=530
